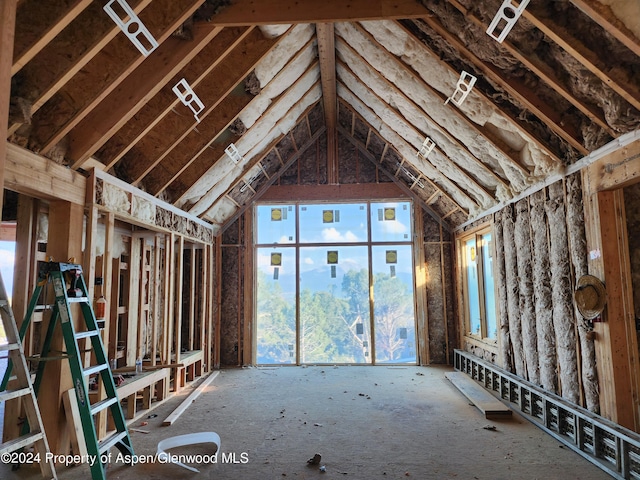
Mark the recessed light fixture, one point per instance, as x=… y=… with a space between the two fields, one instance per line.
x=507 y=16
x=188 y=97
x=463 y=87
x=132 y=27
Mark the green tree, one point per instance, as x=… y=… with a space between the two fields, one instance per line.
x=276 y=323
x=392 y=310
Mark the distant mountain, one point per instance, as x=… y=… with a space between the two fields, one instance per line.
x=319 y=280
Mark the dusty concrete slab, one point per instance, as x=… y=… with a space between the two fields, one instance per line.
x=366 y=422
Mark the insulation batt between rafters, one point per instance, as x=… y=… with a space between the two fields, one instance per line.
x=279 y=127
x=270 y=89
x=398 y=143
x=274 y=123
x=416 y=123
x=627 y=11
x=412 y=52
x=428 y=101
x=275 y=74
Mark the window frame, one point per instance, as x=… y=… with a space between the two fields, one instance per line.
x=464 y=295
x=298 y=244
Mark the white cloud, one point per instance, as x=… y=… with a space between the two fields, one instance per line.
x=394 y=226
x=308 y=261
x=333 y=235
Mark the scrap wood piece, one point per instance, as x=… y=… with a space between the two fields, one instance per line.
x=486 y=403
x=72 y=412
x=189 y=400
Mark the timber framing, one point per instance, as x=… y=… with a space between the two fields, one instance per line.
x=318 y=101
x=255 y=12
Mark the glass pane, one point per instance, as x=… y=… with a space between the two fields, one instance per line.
x=333 y=223
x=471 y=253
x=489 y=291
x=391 y=222
x=334 y=305
x=393 y=308
x=275 y=224
x=276 y=305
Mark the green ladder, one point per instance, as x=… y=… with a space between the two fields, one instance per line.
x=55 y=273
x=24 y=389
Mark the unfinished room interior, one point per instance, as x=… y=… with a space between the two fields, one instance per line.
x=347 y=239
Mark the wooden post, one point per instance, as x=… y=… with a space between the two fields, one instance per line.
x=204 y=302
x=615 y=343
x=192 y=296
x=157 y=314
x=7 y=33
x=218 y=312
x=177 y=331
x=134 y=292
x=249 y=289
x=211 y=307
x=420 y=288
x=65 y=242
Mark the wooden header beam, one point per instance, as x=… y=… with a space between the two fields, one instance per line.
x=266 y=12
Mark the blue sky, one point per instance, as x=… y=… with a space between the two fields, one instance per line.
x=7 y=254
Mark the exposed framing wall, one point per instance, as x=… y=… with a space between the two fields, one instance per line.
x=542 y=338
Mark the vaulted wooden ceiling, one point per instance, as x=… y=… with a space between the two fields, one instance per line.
x=274 y=77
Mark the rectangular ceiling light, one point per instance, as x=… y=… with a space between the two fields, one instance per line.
x=133 y=28
x=507 y=16
x=463 y=87
x=233 y=153
x=188 y=97
x=427 y=146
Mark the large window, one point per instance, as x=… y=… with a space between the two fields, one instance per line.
x=334 y=283
x=479 y=303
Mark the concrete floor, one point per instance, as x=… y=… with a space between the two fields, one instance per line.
x=365 y=422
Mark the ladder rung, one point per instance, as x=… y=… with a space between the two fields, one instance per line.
x=78 y=299
x=20 y=442
x=95 y=369
x=90 y=333
x=40 y=308
x=102 y=405
x=9 y=346
x=9 y=394
x=106 y=444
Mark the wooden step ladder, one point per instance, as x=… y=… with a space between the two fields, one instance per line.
x=59 y=274
x=22 y=388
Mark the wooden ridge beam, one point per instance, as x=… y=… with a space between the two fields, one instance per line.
x=545 y=73
x=165 y=100
x=266 y=12
x=514 y=87
x=64 y=57
x=104 y=73
x=325 y=33
x=602 y=14
x=442 y=131
x=208 y=132
x=38 y=22
x=134 y=92
x=221 y=81
x=611 y=77
x=216 y=151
